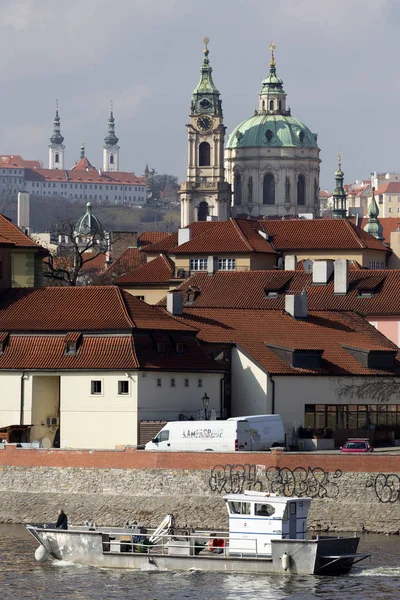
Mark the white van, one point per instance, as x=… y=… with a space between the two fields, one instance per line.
x=239 y=433
x=265 y=431
x=202 y=436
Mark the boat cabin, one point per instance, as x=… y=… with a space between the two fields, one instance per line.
x=257 y=518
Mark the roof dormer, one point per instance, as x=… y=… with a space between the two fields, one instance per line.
x=72 y=341
x=4 y=337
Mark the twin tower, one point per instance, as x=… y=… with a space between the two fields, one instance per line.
x=269 y=166
x=110 y=148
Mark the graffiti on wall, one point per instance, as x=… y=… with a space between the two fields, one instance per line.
x=312 y=482
x=386 y=487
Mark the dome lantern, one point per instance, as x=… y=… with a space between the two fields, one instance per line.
x=89 y=225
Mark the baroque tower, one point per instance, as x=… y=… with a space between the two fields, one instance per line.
x=339 y=195
x=56 y=146
x=205 y=193
x=111 y=148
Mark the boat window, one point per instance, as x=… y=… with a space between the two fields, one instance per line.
x=264 y=510
x=239 y=508
x=293 y=508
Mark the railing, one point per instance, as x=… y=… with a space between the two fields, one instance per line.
x=181 y=545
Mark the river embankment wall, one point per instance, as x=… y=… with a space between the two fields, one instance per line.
x=351 y=493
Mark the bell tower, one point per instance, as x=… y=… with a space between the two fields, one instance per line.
x=205 y=193
x=111 y=148
x=56 y=146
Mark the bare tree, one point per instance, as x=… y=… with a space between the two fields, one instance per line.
x=75 y=253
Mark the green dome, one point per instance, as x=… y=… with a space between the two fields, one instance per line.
x=89 y=225
x=267 y=130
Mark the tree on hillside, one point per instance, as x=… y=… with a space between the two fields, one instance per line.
x=161 y=186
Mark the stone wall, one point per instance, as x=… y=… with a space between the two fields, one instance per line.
x=343 y=501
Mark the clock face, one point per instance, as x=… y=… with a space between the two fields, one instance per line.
x=204 y=123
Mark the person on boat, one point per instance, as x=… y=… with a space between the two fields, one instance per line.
x=216 y=545
x=62 y=521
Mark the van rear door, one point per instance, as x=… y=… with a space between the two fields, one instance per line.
x=243 y=440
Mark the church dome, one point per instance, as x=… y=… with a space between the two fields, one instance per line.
x=268 y=130
x=89 y=225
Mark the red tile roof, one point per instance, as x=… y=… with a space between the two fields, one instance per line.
x=12 y=233
x=131 y=258
x=84 y=165
x=145 y=316
x=319 y=234
x=159 y=270
x=249 y=290
x=169 y=243
x=389 y=224
x=392 y=187
x=17 y=162
x=152 y=237
x=84 y=174
x=254 y=330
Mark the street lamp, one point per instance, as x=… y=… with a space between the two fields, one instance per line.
x=206 y=403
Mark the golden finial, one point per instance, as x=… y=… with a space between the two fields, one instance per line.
x=206 y=42
x=272 y=47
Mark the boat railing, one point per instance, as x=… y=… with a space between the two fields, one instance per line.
x=184 y=544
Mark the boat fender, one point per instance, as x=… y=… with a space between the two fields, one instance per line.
x=285 y=561
x=41 y=553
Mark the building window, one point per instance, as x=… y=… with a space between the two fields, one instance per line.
x=376 y=264
x=198 y=264
x=271 y=105
x=158 y=382
x=172 y=382
x=123 y=387
x=57 y=158
x=179 y=348
x=139 y=298
x=199 y=383
x=161 y=347
x=111 y=159
x=390 y=198
x=186 y=382
x=301 y=190
x=238 y=189
x=70 y=348
x=95 y=387
x=390 y=209
x=269 y=189
x=204 y=154
x=226 y=264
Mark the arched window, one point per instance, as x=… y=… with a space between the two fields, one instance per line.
x=269 y=189
x=204 y=154
x=263 y=104
x=238 y=189
x=280 y=104
x=301 y=190
x=111 y=159
x=57 y=158
x=202 y=213
x=271 y=105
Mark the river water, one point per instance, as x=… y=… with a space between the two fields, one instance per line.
x=22 y=578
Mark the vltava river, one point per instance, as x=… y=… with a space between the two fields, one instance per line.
x=22 y=578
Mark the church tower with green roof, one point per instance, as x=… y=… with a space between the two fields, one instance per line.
x=205 y=193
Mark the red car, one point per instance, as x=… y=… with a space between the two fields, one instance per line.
x=357 y=445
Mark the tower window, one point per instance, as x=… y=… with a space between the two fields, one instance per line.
x=269 y=189
x=204 y=154
x=271 y=105
x=111 y=159
x=202 y=211
x=238 y=189
x=301 y=190
x=57 y=158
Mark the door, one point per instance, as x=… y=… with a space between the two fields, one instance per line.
x=292 y=520
x=243 y=435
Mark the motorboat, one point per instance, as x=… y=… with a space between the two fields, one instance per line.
x=267 y=534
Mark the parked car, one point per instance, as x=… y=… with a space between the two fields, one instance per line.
x=357 y=445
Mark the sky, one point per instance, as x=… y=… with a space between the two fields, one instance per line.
x=339 y=60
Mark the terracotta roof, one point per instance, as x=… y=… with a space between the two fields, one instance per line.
x=145 y=316
x=171 y=242
x=324 y=194
x=393 y=187
x=17 y=162
x=131 y=258
x=249 y=289
x=84 y=165
x=152 y=237
x=159 y=270
x=254 y=330
x=319 y=234
x=82 y=174
x=12 y=233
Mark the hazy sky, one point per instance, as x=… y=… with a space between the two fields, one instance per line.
x=339 y=60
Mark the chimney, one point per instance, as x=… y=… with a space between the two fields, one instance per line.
x=184 y=235
x=23 y=212
x=297 y=305
x=212 y=265
x=322 y=270
x=175 y=302
x=290 y=262
x=341 y=276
